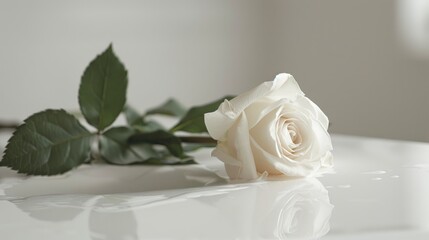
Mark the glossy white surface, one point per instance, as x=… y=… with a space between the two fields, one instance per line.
x=380 y=191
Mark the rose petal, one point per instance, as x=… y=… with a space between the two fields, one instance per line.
x=327 y=160
x=264 y=133
x=263 y=160
x=306 y=103
x=279 y=165
x=238 y=143
x=285 y=86
x=219 y=121
x=222 y=152
x=321 y=141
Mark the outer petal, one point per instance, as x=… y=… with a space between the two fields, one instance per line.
x=285 y=86
x=321 y=141
x=219 y=121
x=314 y=110
x=327 y=160
x=238 y=146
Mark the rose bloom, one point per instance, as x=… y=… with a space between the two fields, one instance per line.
x=272 y=129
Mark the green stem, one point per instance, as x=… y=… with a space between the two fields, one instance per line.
x=8 y=125
x=204 y=140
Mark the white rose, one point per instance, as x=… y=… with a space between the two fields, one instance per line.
x=271 y=129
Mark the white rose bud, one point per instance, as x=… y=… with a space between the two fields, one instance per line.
x=272 y=129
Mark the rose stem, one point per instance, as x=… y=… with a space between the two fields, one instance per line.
x=8 y=125
x=183 y=139
x=197 y=139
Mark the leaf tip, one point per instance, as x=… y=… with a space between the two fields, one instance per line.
x=110 y=47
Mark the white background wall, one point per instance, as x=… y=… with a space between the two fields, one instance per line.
x=194 y=50
x=349 y=57
x=346 y=55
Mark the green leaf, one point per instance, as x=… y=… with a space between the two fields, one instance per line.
x=48 y=143
x=102 y=92
x=148 y=126
x=138 y=123
x=170 y=108
x=115 y=149
x=132 y=116
x=193 y=121
x=161 y=137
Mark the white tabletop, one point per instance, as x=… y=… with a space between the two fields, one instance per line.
x=380 y=191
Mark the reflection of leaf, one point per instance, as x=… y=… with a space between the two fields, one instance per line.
x=48 y=143
x=114 y=148
x=103 y=88
x=170 y=108
x=47 y=208
x=58 y=210
x=193 y=121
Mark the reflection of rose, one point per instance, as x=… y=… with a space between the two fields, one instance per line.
x=301 y=211
x=272 y=128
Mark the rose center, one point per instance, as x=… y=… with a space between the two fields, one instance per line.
x=294 y=134
x=291 y=138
